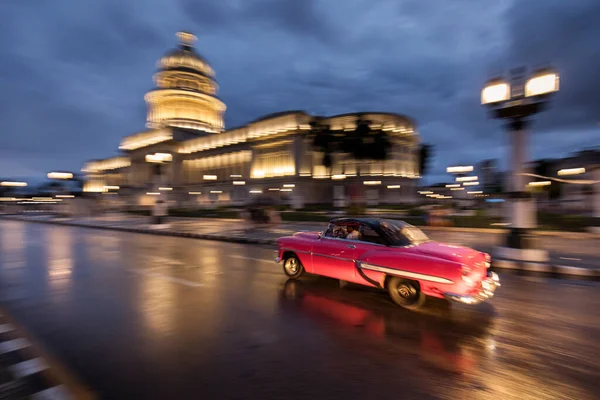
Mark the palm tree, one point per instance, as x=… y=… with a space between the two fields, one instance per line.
x=323 y=140
x=363 y=143
x=425 y=155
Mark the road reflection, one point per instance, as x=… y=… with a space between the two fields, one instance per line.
x=454 y=340
x=157 y=303
x=60 y=257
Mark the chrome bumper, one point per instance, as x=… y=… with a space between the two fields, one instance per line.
x=488 y=286
x=277 y=259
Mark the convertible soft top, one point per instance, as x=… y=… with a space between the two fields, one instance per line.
x=374 y=223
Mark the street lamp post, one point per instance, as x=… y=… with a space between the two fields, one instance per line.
x=515 y=101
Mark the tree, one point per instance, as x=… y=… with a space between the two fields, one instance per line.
x=323 y=140
x=425 y=155
x=544 y=167
x=363 y=143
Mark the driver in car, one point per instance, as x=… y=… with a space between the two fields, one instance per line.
x=353 y=233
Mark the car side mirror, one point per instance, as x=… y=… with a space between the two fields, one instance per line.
x=320 y=235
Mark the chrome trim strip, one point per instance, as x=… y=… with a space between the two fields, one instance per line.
x=334 y=257
x=407 y=274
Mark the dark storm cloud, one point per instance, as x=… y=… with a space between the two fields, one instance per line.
x=301 y=17
x=73 y=75
x=564 y=35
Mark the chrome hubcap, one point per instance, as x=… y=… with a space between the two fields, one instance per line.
x=291 y=265
x=407 y=292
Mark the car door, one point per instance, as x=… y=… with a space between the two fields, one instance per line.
x=369 y=241
x=334 y=257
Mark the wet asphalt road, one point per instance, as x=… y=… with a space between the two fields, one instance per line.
x=141 y=316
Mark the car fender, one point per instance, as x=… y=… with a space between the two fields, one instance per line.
x=301 y=246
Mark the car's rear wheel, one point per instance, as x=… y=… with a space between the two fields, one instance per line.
x=293 y=267
x=406 y=293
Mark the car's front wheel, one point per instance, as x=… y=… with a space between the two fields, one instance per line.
x=293 y=267
x=406 y=293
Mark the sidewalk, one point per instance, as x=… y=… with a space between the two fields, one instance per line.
x=569 y=254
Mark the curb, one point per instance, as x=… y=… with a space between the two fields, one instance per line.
x=201 y=236
x=559 y=270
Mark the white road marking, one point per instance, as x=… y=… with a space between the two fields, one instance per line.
x=254 y=258
x=28 y=367
x=13 y=345
x=6 y=328
x=53 y=393
x=166 y=277
x=570 y=258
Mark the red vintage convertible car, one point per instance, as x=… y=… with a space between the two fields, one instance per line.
x=390 y=255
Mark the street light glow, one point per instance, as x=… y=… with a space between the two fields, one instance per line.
x=14 y=184
x=540 y=183
x=60 y=175
x=466 y=178
x=338 y=177
x=459 y=169
x=542 y=84
x=216 y=191
x=495 y=92
x=475 y=192
x=153 y=193
x=111 y=187
x=165 y=189
x=571 y=171
x=458 y=188
x=64 y=196
x=425 y=192
x=289 y=185
x=195 y=193
x=255 y=191
x=372 y=183
x=393 y=186
x=286 y=190
x=239 y=183
x=470 y=183
x=453 y=185
x=209 y=177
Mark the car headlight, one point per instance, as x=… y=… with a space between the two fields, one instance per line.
x=468 y=280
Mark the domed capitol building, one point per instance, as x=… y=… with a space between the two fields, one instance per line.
x=187 y=156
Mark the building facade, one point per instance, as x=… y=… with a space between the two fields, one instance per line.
x=187 y=156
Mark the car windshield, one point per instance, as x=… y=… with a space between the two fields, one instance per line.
x=402 y=234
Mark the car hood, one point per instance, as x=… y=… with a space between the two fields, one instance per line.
x=451 y=252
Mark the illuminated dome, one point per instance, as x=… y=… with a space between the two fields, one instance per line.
x=185 y=58
x=186 y=91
